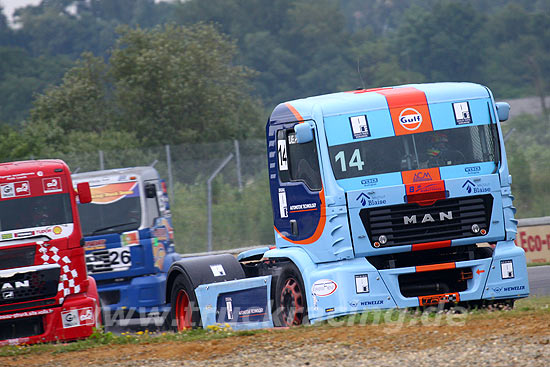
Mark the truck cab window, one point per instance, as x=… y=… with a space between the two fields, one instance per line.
x=298 y=162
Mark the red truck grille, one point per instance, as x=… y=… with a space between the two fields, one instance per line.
x=17 y=257
x=29 y=284
x=21 y=328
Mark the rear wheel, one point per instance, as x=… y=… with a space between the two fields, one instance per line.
x=184 y=307
x=290 y=298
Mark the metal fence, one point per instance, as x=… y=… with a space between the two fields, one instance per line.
x=210 y=186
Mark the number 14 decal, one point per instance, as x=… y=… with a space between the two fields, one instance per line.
x=355 y=160
x=282 y=155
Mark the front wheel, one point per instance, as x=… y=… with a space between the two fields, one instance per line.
x=290 y=298
x=184 y=313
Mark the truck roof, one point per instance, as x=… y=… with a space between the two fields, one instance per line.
x=47 y=166
x=367 y=100
x=145 y=172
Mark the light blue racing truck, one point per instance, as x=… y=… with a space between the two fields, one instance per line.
x=382 y=198
x=129 y=243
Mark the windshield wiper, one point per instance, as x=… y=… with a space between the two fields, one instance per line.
x=111 y=227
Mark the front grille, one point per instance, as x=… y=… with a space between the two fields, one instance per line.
x=17 y=257
x=430 y=257
x=434 y=282
x=29 y=285
x=21 y=328
x=447 y=219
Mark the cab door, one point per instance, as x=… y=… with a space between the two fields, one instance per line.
x=296 y=188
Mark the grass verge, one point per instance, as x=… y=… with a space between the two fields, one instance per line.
x=392 y=317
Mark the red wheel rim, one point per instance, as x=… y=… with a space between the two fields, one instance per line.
x=292 y=303
x=183 y=313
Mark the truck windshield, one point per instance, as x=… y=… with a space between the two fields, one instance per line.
x=464 y=145
x=114 y=212
x=36 y=211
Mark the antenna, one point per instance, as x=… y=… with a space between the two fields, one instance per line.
x=359 y=72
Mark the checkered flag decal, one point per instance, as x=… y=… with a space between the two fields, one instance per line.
x=68 y=275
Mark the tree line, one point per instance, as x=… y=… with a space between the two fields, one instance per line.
x=82 y=75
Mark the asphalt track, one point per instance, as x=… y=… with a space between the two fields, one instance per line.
x=539 y=280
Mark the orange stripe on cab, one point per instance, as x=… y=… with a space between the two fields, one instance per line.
x=409 y=110
x=434 y=267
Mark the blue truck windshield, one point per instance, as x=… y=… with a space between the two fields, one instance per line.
x=36 y=211
x=464 y=145
x=115 y=208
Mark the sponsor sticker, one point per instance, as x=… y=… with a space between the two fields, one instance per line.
x=303 y=207
x=462 y=113
x=51 y=184
x=86 y=316
x=507 y=269
x=359 y=127
x=15 y=189
x=7 y=191
x=95 y=244
x=79 y=317
x=422 y=175
x=362 y=283
x=471 y=187
x=217 y=270
x=129 y=238
x=324 y=287
x=369 y=181
x=229 y=307
x=70 y=319
x=371 y=200
x=283 y=208
x=473 y=170
x=425 y=187
x=410 y=119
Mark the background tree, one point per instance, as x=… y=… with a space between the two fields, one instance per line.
x=165 y=85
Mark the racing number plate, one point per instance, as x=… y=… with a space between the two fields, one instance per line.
x=120 y=258
x=113 y=259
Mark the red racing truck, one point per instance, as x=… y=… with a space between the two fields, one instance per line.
x=45 y=293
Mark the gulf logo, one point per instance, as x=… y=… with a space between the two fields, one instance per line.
x=410 y=119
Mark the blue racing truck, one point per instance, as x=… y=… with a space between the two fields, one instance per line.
x=381 y=198
x=128 y=239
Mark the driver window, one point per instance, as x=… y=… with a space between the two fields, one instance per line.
x=152 y=207
x=298 y=162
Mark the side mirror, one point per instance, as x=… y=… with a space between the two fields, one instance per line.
x=150 y=191
x=84 y=193
x=304 y=133
x=503 y=111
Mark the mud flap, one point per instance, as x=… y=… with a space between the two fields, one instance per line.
x=243 y=304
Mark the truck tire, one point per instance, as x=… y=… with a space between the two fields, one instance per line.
x=290 y=304
x=184 y=313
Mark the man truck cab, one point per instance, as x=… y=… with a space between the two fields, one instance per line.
x=381 y=198
x=129 y=243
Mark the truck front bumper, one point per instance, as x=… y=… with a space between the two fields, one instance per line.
x=75 y=319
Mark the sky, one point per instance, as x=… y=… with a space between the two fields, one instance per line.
x=10 y=5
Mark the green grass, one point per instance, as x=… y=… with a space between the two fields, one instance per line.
x=100 y=338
